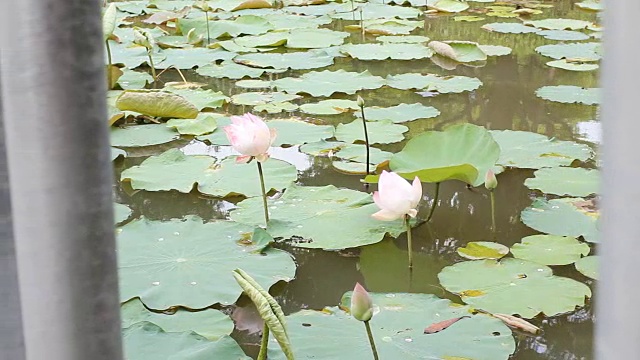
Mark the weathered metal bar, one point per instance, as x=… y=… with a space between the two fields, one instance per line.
x=11 y=340
x=60 y=172
x=617 y=320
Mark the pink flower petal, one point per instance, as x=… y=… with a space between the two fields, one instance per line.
x=386 y=215
x=243 y=159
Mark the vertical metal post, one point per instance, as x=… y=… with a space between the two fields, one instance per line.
x=60 y=173
x=617 y=321
x=11 y=340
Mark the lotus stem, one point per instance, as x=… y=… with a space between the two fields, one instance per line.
x=206 y=14
x=109 y=75
x=493 y=211
x=264 y=343
x=435 y=202
x=153 y=67
x=409 y=240
x=373 y=344
x=264 y=195
x=366 y=136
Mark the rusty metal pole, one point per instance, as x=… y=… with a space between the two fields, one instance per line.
x=53 y=94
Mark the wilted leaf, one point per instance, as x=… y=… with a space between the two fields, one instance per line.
x=156 y=103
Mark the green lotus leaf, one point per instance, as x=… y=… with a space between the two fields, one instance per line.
x=262 y=98
x=387 y=26
x=478 y=250
x=192 y=57
x=550 y=249
x=528 y=150
x=380 y=132
x=570 y=94
x=274 y=108
x=296 y=61
x=142 y=135
x=147 y=341
x=350 y=167
x=469 y=18
x=591 y=5
x=574 y=51
x=270 y=39
x=387 y=51
x=565 y=217
x=510 y=28
x=283 y=21
x=467 y=51
x=573 y=66
x=157 y=103
x=374 y=11
x=398 y=331
x=315 y=38
x=132 y=57
x=326 y=83
x=229 y=69
x=559 y=24
x=202 y=99
x=133 y=7
x=204 y=123
x=495 y=50
x=134 y=79
x=329 y=107
x=462 y=152
x=246 y=24
x=210 y=323
x=306 y=216
x=565 y=181
x=513 y=286
x=399 y=113
x=403 y=39
x=116 y=153
x=431 y=82
x=173 y=170
x=564 y=35
x=588 y=266
x=121 y=212
x=318 y=9
x=358 y=152
x=109 y=21
x=189 y=263
x=448 y=6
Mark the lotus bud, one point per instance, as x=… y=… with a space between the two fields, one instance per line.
x=204 y=6
x=143 y=38
x=490 y=181
x=193 y=38
x=361 y=304
x=360 y=101
x=396 y=197
x=250 y=136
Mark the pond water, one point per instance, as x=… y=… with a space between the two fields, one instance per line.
x=506 y=100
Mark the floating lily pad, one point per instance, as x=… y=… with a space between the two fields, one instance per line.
x=528 y=150
x=565 y=181
x=329 y=107
x=121 y=212
x=573 y=66
x=142 y=135
x=398 y=331
x=246 y=24
x=387 y=26
x=495 y=50
x=357 y=153
x=203 y=124
x=134 y=79
x=210 y=323
x=322 y=148
x=156 y=103
x=477 y=250
x=550 y=249
x=326 y=83
x=510 y=28
x=307 y=215
x=460 y=51
x=380 y=132
x=262 y=98
x=189 y=263
x=297 y=60
x=350 y=167
x=569 y=94
x=591 y=5
x=374 y=11
x=399 y=113
x=564 y=35
x=588 y=266
x=116 y=153
x=403 y=39
x=513 y=286
x=147 y=341
x=448 y=6
x=387 y=51
x=559 y=24
x=202 y=99
x=461 y=152
x=229 y=69
x=192 y=57
x=573 y=51
x=132 y=57
x=469 y=18
x=565 y=217
x=431 y=82
x=315 y=38
x=173 y=170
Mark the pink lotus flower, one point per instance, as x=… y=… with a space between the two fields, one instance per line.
x=396 y=197
x=490 y=181
x=361 y=304
x=250 y=136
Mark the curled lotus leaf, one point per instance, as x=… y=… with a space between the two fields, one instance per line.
x=156 y=103
x=448 y=6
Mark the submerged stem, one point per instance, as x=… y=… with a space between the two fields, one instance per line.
x=153 y=67
x=373 y=344
x=109 y=75
x=409 y=240
x=435 y=202
x=264 y=195
x=493 y=211
x=366 y=136
x=264 y=343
